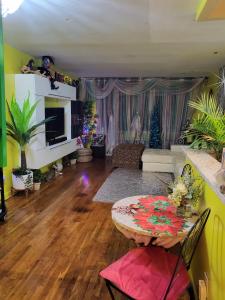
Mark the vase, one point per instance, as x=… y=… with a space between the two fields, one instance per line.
x=184 y=209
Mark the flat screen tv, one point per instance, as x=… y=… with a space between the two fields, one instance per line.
x=56 y=127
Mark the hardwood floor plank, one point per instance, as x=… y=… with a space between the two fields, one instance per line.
x=56 y=241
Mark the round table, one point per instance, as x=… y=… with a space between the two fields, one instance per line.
x=144 y=217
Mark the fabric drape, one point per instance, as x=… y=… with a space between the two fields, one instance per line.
x=127 y=105
x=174 y=116
x=134 y=87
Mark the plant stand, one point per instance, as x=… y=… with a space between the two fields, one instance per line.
x=84 y=155
x=26 y=191
x=3 y=210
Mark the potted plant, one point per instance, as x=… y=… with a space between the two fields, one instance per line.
x=208 y=126
x=37 y=179
x=73 y=157
x=22 y=131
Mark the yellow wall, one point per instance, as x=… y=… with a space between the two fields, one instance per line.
x=210 y=253
x=208 y=10
x=13 y=61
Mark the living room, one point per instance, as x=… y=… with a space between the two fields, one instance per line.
x=112 y=149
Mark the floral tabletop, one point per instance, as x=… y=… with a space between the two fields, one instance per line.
x=149 y=216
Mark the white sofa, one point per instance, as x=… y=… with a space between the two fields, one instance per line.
x=163 y=160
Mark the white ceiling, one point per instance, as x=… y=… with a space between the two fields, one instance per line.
x=119 y=37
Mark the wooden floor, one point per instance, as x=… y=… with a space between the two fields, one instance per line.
x=54 y=242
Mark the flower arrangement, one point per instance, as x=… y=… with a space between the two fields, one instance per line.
x=186 y=189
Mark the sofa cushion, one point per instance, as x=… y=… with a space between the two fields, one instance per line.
x=158 y=167
x=127 y=155
x=157 y=156
x=144 y=274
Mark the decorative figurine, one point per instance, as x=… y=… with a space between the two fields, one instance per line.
x=67 y=80
x=46 y=70
x=29 y=68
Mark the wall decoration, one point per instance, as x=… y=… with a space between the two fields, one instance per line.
x=29 y=68
x=47 y=70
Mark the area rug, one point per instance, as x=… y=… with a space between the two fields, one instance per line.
x=123 y=183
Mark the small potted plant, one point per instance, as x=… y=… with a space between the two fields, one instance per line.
x=21 y=130
x=73 y=157
x=37 y=178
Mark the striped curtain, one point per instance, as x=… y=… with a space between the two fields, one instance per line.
x=174 y=116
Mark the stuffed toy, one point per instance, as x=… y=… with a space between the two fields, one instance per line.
x=46 y=70
x=29 y=68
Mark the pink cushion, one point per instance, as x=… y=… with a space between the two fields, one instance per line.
x=144 y=274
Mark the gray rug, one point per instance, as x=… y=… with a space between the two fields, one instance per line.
x=123 y=183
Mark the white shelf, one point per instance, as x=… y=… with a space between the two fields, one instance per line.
x=37 y=159
x=58 y=144
x=38 y=87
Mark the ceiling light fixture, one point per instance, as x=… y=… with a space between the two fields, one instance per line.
x=10 y=6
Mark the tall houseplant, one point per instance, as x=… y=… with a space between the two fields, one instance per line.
x=208 y=126
x=22 y=131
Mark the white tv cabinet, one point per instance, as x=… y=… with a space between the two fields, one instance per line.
x=38 y=88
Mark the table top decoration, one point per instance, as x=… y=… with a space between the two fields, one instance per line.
x=153 y=216
x=186 y=189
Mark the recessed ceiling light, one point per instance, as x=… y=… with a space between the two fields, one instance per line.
x=215 y=52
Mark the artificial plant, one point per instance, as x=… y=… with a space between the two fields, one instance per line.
x=21 y=128
x=89 y=125
x=208 y=125
x=155 y=135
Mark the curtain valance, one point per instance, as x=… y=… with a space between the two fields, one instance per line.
x=101 y=88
